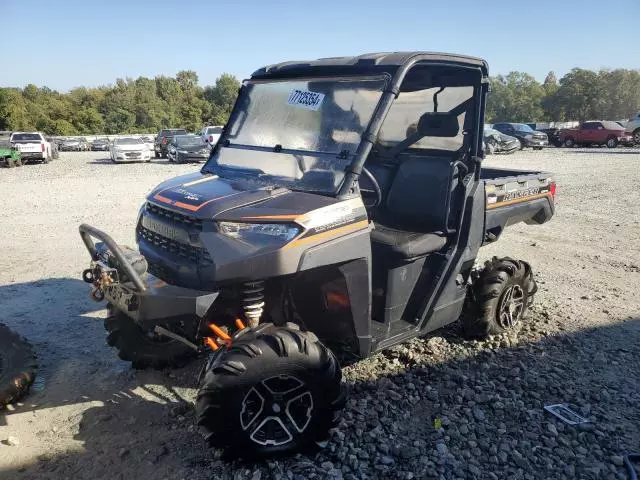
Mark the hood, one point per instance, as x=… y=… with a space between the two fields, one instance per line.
x=207 y=196
x=130 y=148
x=194 y=148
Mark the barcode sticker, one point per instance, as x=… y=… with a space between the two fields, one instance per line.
x=305 y=99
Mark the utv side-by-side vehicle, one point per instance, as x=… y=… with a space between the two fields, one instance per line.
x=340 y=213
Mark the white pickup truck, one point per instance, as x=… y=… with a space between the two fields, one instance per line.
x=32 y=145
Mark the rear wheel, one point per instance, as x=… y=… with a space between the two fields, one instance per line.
x=145 y=349
x=569 y=142
x=17 y=366
x=498 y=298
x=274 y=390
x=636 y=136
x=10 y=162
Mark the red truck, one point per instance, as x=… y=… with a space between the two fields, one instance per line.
x=604 y=132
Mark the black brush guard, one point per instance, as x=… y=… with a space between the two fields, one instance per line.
x=144 y=298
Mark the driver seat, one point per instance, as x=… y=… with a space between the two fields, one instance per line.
x=414 y=219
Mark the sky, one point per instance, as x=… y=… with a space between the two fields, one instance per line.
x=73 y=43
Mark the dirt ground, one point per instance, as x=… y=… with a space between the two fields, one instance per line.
x=90 y=416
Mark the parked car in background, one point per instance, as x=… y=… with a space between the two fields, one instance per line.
x=632 y=127
x=33 y=146
x=552 y=135
x=149 y=142
x=9 y=154
x=129 y=149
x=596 y=133
x=78 y=144
x=163 y=139
x=211 y=134
x=100 y=145
x=188 y=148
x=527 y=136
x=498 y=142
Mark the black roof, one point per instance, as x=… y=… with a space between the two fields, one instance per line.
x=367 y=63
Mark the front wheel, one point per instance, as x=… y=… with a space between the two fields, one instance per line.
x=145 y=349
x=612 y=142
x=273 y=390
x=498 y=297
x=17 y=366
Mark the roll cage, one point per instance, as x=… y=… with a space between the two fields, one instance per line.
x=408 y=71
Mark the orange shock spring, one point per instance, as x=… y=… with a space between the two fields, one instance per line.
x=221 y=335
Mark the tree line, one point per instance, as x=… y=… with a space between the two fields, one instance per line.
x=579 y=95
x=147 y=105
x=142 y=105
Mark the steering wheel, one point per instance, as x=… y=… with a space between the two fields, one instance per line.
x=376 y=188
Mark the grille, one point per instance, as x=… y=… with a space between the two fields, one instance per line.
x=176 y=218
x=191 y=253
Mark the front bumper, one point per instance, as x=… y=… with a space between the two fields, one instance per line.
x=132 y=156
x=143 y=298
x=191 y=157
x=535 y=142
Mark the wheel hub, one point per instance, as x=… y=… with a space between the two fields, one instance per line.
x=511 y=306
x=277 y=410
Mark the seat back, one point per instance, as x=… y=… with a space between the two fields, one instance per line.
x=420 y=192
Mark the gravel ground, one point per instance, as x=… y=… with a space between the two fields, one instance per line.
x=439 y=407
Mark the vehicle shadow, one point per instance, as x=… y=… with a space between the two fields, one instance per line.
x=635 y=151
x=107 y=161
x=75 y=364
x=483 y=393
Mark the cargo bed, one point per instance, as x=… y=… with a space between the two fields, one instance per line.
x=514 y=196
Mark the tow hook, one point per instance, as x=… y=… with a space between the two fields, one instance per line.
x=99 y=282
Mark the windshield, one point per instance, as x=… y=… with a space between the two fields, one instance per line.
x=186 y=141
x=127 y=141
x=402 y=118
x=299 y=134
x=214 y=130
x=521 y=127
x=24 y=137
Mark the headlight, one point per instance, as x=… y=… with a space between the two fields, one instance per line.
x=184 y=152
x=260 y=234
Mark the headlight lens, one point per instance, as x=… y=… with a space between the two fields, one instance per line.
x=260 y=234
x=182 y=151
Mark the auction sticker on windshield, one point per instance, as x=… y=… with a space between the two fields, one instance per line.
x=305 y=99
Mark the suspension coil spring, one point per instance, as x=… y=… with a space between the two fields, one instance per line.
x=253 y=301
